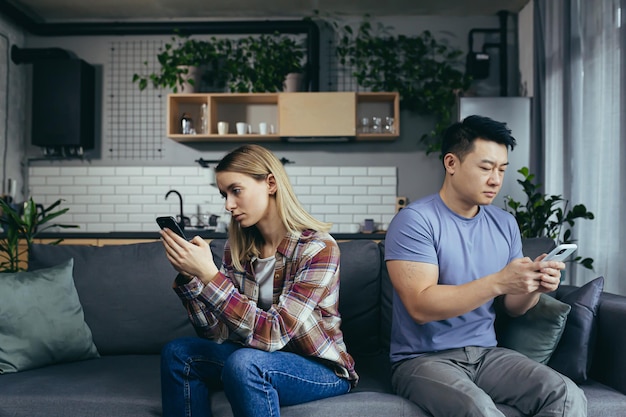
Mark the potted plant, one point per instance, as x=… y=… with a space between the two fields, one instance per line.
x=426 y=72
x=262 y=63
x=182 y=59
x=19 y=228
x=546 y=215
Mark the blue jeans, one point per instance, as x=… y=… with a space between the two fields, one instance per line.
x=255 y=382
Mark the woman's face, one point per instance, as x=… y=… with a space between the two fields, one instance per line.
x=247 y=199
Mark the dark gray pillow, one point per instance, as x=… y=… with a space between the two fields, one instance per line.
x=573 y=354
x=126 y=294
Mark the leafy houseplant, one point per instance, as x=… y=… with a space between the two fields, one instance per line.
x=546 y=215
x=423 y=70
x=261 y=63
x=182 y=53
x=24 y=227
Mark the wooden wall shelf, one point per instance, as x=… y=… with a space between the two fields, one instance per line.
x=287 y=115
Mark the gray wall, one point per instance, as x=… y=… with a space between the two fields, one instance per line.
x=12 y=107
x=418 y=174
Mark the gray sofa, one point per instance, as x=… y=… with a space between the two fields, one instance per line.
x=125 y=292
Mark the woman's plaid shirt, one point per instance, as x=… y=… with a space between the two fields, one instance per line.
x=304 y=316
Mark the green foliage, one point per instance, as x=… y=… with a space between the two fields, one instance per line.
x=422 y=69
x=182 y=52
x=260 y=63
x=24 y=227
x=252 y=64
x=546 y=215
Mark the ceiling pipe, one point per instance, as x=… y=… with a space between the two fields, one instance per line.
x=36 y=26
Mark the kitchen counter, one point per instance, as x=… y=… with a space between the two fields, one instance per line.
x=205 y=234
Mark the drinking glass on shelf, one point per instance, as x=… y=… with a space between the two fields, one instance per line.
x=364 y=126
x=389 y=127
x=377 y=124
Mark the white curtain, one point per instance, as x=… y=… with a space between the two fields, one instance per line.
x=584 y=126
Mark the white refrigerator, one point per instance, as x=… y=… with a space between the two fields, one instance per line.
x=516 y=113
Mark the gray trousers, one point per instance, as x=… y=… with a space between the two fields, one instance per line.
x=470 y=381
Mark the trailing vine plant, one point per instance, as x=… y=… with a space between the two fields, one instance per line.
x=426 y=72
x=546 y=215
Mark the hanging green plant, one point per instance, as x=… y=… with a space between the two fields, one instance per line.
x=426 y=72
x=261 y=63
x=21 y=229
x=546 y=215
x=182 y=54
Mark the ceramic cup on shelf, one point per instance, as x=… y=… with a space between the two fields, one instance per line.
x=263 y=128
x=242 y=128
x=222 y=128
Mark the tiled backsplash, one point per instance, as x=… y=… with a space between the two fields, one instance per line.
x=128 y=198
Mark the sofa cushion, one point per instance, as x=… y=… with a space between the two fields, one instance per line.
x=41 y=320
x=126 y=294
x=359 y=296
x=112 y=386
x=573 y=354
x=536 y=333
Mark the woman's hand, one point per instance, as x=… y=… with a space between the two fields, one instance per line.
x=191 y=258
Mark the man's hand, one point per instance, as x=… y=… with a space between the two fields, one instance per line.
x=525 y=279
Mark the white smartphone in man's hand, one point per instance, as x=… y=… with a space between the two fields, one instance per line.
x=561 y=252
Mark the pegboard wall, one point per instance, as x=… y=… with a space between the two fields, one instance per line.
x=135 y=120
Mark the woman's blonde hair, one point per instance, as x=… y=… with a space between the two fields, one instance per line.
x=258 y=162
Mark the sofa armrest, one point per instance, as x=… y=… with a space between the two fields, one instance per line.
x=609 y=360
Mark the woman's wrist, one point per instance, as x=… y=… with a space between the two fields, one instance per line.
x=183 y=279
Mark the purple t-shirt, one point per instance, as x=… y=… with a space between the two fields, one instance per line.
x=464 y=250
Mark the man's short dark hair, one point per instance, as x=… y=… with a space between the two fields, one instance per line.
x=459 y=137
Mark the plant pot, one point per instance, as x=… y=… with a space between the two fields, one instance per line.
x=193 y=73
x=293 y=82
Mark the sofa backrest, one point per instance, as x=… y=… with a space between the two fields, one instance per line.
x=126 y=294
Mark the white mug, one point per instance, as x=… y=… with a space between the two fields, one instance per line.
x=263 y=128
x=242 y=128
x=222 y=128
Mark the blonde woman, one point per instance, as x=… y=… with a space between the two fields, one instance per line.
x=267 y=318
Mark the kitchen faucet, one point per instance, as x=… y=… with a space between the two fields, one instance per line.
x=182 y=220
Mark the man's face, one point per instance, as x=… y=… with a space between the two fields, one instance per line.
x=478 y=178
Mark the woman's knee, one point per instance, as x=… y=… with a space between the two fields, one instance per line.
x=176 y=348
x=243 y=365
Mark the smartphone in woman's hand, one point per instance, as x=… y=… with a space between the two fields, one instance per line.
x=171 y=223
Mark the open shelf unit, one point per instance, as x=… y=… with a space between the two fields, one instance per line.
x=287 y=115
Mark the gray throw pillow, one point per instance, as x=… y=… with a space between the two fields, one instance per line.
x=41 y=320
x=536 y=334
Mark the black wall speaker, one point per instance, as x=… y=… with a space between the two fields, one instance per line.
x=401 y=202
x=63 y=104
